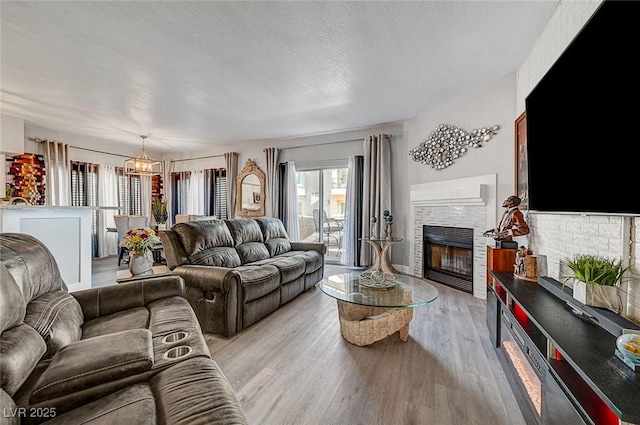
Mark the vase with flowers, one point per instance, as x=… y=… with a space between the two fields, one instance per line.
x=140 y=242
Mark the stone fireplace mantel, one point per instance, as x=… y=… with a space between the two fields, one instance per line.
x=467 y=202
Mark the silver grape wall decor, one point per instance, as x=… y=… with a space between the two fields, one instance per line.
x=448 y=142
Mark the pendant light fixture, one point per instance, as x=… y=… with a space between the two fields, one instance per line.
x=142 y=165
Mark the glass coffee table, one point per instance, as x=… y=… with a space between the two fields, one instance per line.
x=369 y=315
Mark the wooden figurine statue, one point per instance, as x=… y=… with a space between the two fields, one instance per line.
x=512 y=222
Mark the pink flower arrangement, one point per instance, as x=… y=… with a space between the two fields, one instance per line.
x=139 y=240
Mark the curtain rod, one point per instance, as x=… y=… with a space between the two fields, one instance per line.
x=38 y=140
x=193 y=159
x=322 y=144
x=35 y=139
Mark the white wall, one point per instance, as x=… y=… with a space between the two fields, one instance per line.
x=311 y=148
x=11 y=143
x=487 y=106
x=493 y=104
x=11 y=135
x=498 y=103
x=564 y=24
x=557 y=236
x=318 y=148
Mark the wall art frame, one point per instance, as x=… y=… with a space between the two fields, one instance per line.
x=521 y=174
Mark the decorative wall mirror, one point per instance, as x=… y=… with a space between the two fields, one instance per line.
x=250 y=191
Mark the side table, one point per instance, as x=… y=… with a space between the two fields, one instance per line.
x=156 y=271
x=383 y=260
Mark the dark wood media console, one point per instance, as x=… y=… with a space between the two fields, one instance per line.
x=575 y=377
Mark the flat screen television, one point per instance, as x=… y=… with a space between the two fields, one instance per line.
x=583 y=120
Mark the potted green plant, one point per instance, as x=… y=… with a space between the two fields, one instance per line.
x=159 y=212
x=596 y=280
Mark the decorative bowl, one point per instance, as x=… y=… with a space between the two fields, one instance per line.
x=629 y=345
x=377 y=280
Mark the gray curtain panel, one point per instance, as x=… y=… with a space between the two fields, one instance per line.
x=293 y=223
x=376 y=186
x=271 y=193
x=231 y=159
x=351 y=243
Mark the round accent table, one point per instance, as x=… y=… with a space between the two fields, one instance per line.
x=383 y=258
x=370 y=315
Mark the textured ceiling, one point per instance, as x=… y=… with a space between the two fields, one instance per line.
x=196 y=73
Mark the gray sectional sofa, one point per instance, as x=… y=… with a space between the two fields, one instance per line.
x=238 y=271
x=124 y=354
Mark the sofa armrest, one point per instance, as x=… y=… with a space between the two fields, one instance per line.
x=309 y=246
x=216 y=295
x=208 y=278
x=90 y=362
x=106 y=300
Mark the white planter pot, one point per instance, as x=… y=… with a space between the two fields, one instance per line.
x=598 y=296
x=139 y=264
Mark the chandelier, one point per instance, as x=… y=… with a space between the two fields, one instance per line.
x=143 y=164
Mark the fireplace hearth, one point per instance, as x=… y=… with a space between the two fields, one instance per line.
x=448 y=256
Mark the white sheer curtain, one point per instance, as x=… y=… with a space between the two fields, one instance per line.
x=293 y=222
x=196 y=190
x=145 y=196
x=107 y=197
x=57 y=174
x=348 y=257
x=376 y=187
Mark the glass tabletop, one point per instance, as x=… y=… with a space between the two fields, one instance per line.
x=408 y=291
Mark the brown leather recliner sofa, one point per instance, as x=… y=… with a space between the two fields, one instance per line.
x=238 y=271
x=124 y=354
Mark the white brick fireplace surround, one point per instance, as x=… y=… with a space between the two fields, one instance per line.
x=468 y=202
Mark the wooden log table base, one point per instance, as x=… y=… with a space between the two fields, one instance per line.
x=364 y=325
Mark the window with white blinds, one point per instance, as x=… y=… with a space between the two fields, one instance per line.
x=179 y=193
x=215 y=192
x=84 y=193
x=129 y=193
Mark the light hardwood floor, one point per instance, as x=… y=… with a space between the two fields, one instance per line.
x=293 y=367
x=104 y=271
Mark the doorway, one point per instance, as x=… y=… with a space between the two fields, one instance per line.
x=321 y=206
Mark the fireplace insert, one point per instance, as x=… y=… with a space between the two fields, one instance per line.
x=448 y=256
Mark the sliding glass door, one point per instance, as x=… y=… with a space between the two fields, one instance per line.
x=321 y=207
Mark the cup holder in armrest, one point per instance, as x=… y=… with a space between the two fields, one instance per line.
x=175 y=337
x=178 y=352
